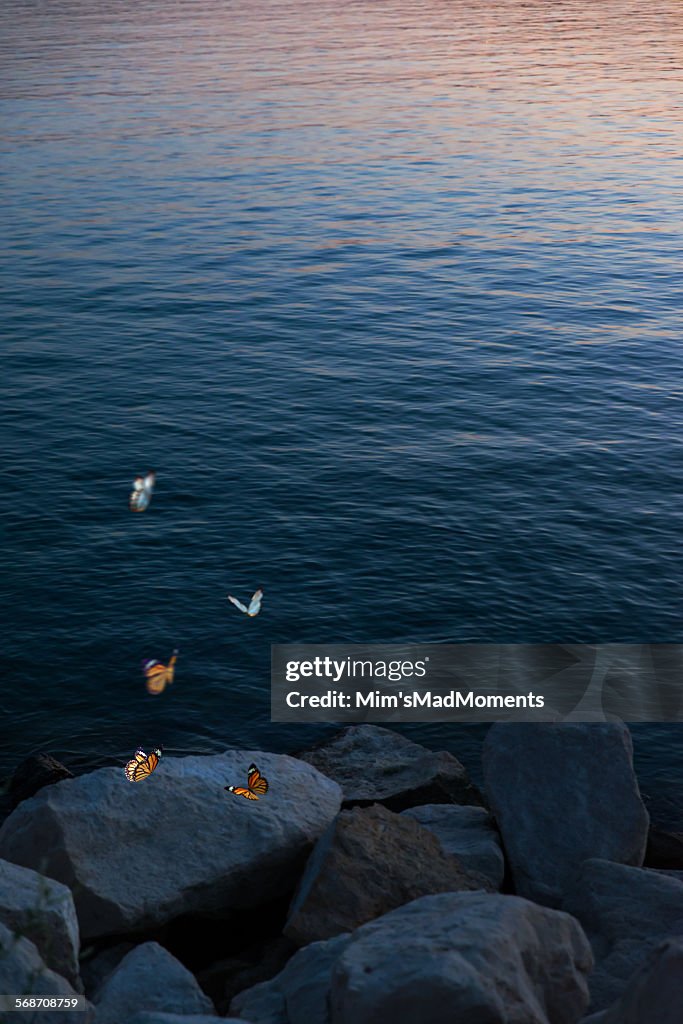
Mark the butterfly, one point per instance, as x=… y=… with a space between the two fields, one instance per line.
x=141 y=495
x=257 y=785
x=141 y=765
x=157 y=675
x=254 y=605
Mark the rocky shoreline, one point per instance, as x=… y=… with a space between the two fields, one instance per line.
x=373 y=882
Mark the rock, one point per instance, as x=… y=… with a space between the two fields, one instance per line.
x=23 y=972
x=149 y=978
x=368 y=862
x=375 y=765
x=469 y=833
x=299 y=994
x=33 y=774
x=626 y=912
x=476 y=957
x=43 y=911
x=104 y=837
x=174 y=1018
x=664 y=850
x=562 y=793
x=655 y=993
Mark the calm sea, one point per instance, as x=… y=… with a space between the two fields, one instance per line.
x=387 y=293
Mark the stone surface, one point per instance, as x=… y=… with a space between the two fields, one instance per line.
x=96 y=968
x=654 y=995
x=475 y=957
x=33 y=774
x=149 y=978
x=23 y=972
x=626 y=912
x=375 y=765
x=369 y=861
x=299 y=994
x=469 y=833
x=103 y=837
x=43 y=911
x=562 y=793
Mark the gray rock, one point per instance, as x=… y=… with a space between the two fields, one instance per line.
x=476 y=957
x=96 y=967
x=149 y=978
x=23 y=972
x=33 y=774
x=469 y=833
x=375 y=765
x=562 y=793
x=368 y=862
x=43 y=911
x=626 y=912
x=654 y=994
x=102 y=836
x=299 y=994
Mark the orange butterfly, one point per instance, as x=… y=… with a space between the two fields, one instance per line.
x=141 y=765
x=257 y=785
x=157 y=674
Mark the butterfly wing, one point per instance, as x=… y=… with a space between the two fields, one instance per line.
x=257 y=783
x=255 y=603
x=240 y=791
x=238 y=604
x=131 y=768
x=141 y=765
x=149 y=482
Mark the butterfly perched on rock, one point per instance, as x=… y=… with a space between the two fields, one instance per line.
x=141 y=495
x=141 y=765
x=157 y=675
x=254 y=605
x=257 y=785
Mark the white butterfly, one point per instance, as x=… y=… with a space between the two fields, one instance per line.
x=254 y=605
x=141 y=495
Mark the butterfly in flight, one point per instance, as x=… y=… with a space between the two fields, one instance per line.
x=157 y=675
x=141 y=495
x=141 y=765
x=257 y=785
x=254 y=605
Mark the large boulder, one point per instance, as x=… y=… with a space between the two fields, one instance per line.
x=626 y=912
x=23 y=972
x=149 y=978
x=43 y=911
x=654 y=993
x=476 y=957
x=104 y=837
x=299 y=994
x=469 y=833
x=368 y=862
x=375 y=765
x=562 y=793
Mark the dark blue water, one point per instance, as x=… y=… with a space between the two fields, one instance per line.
x=389 y=296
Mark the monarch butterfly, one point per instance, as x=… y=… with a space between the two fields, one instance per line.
x=141 y=765
x=141 y=495
x=257 y=785
x=157 y=675
x=254 y=605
